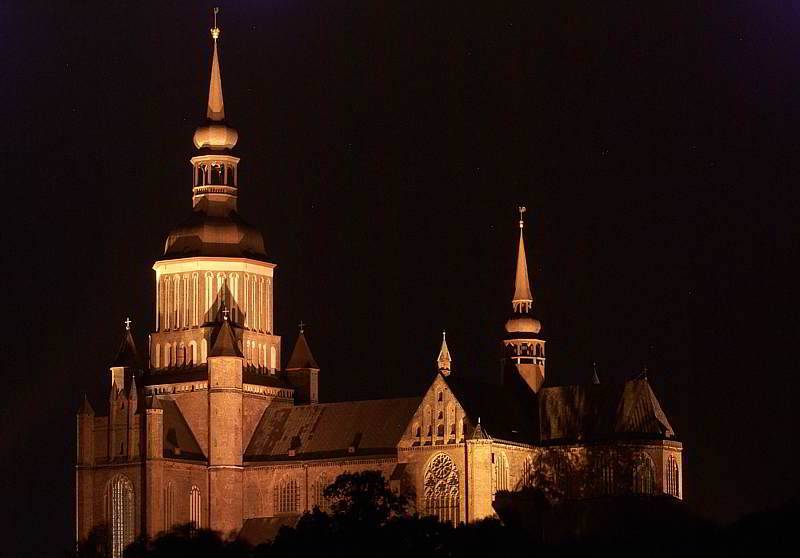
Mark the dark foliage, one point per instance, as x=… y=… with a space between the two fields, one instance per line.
x=369 y=520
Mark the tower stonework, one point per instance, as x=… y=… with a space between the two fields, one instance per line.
x=209 y=428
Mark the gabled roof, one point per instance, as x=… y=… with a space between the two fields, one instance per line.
x=224 y=342
x=301 y=355
x=179 y=440
x=601 y=412
x=331 y=429
x=127 y=355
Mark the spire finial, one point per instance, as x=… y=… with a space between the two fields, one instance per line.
x=225 y=313
x=523 y=299
x=215 y=29
x=301 y=325
x=444 y=361
x=127 y=323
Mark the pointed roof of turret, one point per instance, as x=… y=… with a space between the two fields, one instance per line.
x=224 y=344
x=522 y=286
x=444 y=360
x=86 y=407
x=479 y=433
x=301 y=354
x=152 y=402
x=216 y=104
x=127 y=355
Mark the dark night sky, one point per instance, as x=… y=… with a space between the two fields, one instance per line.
x=384 y=151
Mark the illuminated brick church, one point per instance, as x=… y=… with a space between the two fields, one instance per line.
x=212 y=428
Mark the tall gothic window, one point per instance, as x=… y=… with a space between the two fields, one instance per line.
x=500 y=472
x=273 y=358
x=195 y=508
x=169 y=506
x=442 y=490
x=209 y=302
x=286 y=496
x=120 y=513
x=644 y=476
x=606 y=474
x=195 y=294
x=318 y=492
x=673 y=477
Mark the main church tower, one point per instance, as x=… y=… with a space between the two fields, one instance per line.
x=214 y=260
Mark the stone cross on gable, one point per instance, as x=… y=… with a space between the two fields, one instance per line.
x=127 y=323
x=301 y=325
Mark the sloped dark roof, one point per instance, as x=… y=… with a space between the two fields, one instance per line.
x=259 y=530
x=214 y=229
x=179 y=440
x=331 y=429
x=127 y=355
x=224 y=342
x=601 y=412
x=506 y=411
x=301 y=355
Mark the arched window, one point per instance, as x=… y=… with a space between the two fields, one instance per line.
x=500 y=472
x=209 y=302
x=246 y=300
x=185 y=301
x=673 y=477
x=268 y=297
x=195 y=294
x=286 y=496
x=606 y=474
x=273 y=358
x=234 y=279
x=120 y=507
x=181 y=357
x=442 y=489
x=644 y=476
x=176 y=302
x=318 y=492
x=195 y=508
x=157 y=356
x=203 y=350
x=167 y=303
x=440 y=431
x=169 y=506
x=192 y=357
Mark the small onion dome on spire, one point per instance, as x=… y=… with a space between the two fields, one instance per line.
x=444 y=361
x=215 y=135
x=522 y=302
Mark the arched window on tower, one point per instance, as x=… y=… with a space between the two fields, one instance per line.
x=195 y=508
x=644 y=476
x=286 y=495
x=273 y=358
x=181 y=357
x=192 y=353
x=203 y=350
x=195 y=295
x=120 y=508
x=157 y=356
x=442 y=495
x=209 y=298
x=246 y=299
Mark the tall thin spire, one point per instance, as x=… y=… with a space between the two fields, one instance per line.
x=216 y=105
x=444 y=361
x=523 y=299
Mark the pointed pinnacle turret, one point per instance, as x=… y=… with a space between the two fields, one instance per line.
x=523 y=299
x=444 y=361
x=86 y=407
x=224 y=343
x=216 y=105
x=301 y=354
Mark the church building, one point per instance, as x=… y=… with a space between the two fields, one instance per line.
x=209 y=426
